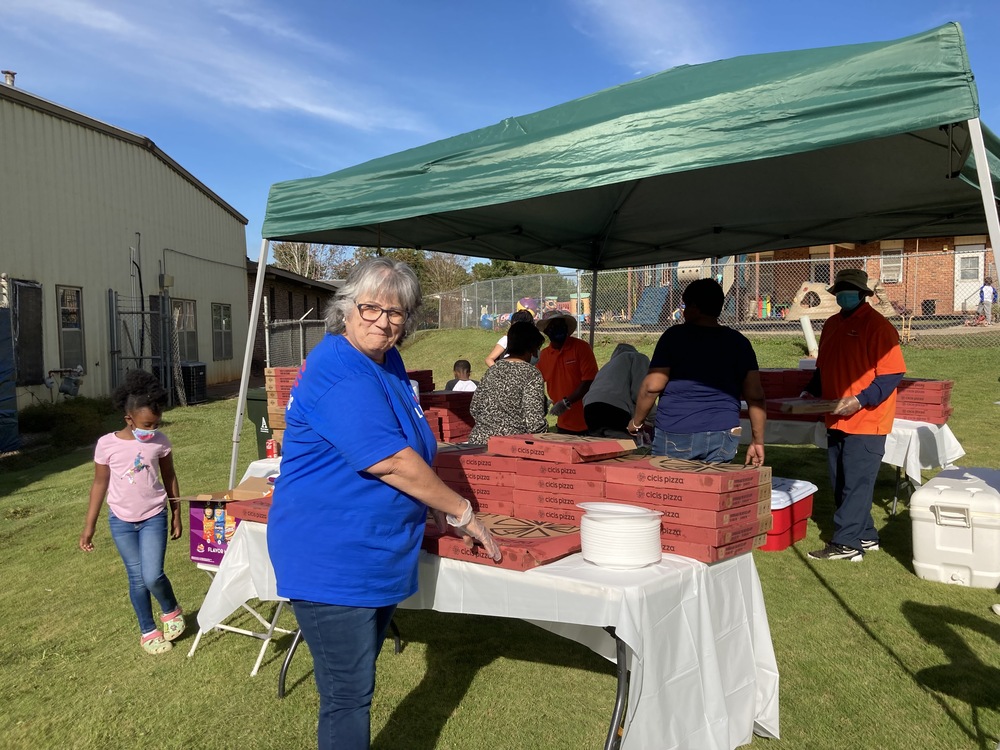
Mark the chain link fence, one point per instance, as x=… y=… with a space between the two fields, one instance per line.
x=933 y=298
x=288 y=342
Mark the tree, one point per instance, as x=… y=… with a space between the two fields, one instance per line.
x=501 y=269
x=311 y=261
x=444 y=272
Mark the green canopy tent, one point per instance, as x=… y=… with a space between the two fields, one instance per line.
x=840 y=144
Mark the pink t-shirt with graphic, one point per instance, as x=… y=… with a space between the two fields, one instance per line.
x=135 y=492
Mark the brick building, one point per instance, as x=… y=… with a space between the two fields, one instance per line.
x=286 y=296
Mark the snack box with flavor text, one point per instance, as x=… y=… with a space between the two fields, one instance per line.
x=712 y=536
x=564 y=485
x=664 y=497
x=791 y=508
x=558 y=448
x=708 y=553
x=525 y=544
x=663 y=471
x=210 y=526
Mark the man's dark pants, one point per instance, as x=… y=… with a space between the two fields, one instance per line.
x=854 y=464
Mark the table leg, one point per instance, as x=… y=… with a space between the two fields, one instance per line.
x=614 y=738
x=902 y=482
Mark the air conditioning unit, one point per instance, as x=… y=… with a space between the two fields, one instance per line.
x=195 y=378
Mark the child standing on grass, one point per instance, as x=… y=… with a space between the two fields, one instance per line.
x=128 y=465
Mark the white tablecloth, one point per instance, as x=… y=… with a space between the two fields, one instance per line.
x=911 y=446
x=703 y=670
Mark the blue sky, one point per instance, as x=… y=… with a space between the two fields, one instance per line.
x=245 y=93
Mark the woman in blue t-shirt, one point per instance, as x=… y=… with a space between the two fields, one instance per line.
x=348 y=513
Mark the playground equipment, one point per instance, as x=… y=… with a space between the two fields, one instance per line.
x=813 y=300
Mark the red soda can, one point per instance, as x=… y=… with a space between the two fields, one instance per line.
x=271 y=448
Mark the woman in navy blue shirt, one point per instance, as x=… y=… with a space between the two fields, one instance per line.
x=348 y=513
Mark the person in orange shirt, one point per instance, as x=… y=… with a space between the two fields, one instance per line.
x=569 y=367
x=859 y=366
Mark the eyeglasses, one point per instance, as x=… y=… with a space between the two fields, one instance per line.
x=371 y=313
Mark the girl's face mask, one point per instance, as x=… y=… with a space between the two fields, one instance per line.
x=848 y=300
x=143 y=436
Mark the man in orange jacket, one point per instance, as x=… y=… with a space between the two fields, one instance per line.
x=859 y=366
x=569 y=367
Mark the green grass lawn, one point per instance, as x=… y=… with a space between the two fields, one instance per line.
x=870 y=655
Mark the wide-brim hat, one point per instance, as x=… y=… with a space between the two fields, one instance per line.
x=850 y=278
x=557 y=315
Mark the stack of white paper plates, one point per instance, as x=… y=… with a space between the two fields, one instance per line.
x=619 y=536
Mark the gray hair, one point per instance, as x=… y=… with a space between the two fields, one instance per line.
x=374 y=277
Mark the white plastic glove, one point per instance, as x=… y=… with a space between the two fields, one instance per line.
x=559 y=408
x=469 y=525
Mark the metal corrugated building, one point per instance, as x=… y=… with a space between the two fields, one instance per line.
x=100 y=232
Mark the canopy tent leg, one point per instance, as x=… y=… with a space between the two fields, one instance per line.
x=258 y=290
x=593 y=305
x=985 y=185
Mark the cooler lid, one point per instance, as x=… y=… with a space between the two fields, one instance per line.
x=784 y=492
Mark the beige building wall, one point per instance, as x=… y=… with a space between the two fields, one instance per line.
x=76 y=195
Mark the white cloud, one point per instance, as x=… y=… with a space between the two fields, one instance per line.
x=225 y=54
x=648 y=35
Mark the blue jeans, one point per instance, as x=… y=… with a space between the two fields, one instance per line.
x=854 y=462
x=142 y=546
x=711 y=447
x=344 y=642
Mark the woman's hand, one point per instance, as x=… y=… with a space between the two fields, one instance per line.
x=470 y=525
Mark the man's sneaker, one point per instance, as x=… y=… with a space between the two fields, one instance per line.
x=869 y=545
x=837 y=552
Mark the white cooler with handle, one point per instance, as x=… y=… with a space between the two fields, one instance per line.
x=956 y=528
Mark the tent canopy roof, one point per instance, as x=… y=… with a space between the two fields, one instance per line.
x=840 y=144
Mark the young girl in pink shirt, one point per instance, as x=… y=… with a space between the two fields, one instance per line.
x=128 y=467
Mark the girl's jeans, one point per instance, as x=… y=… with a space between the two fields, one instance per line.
x=142 y=546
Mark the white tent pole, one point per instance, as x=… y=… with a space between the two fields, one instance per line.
x=985 y=183
x=258 y=292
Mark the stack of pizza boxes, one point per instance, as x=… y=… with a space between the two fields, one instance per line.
x=924 y=400
x=278 y=382
x=711 y=512
x=447 y=413
x=423 y=378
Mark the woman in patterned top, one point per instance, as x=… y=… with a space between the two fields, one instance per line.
x=510 y=399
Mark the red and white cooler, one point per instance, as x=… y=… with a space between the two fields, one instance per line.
x=791 y=508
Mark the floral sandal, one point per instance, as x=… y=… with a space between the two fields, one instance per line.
x=153 y=643
x=173 y=625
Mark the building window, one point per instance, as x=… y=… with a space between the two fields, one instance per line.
x=222 y=331
x=186 y=326
x=26 y=319
x=892 y=267
x=70 y=301
x=968 y=268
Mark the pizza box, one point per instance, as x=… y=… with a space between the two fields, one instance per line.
x=549 y=499
x=482 y=491
x=463 y=455
x=561 y=485
x=252 y=488
x=559 y=448
x=713 y=519
x=707 y=553
x=664 y=497
x=801 y=405
x=524 y=544
x=715 y=537
x=250 y=510
x=476 y=476
x=663 y=471
x=926 y=384
x=593 y=472
x=570 y=514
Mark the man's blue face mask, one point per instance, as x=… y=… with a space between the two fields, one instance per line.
x=849 y=299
